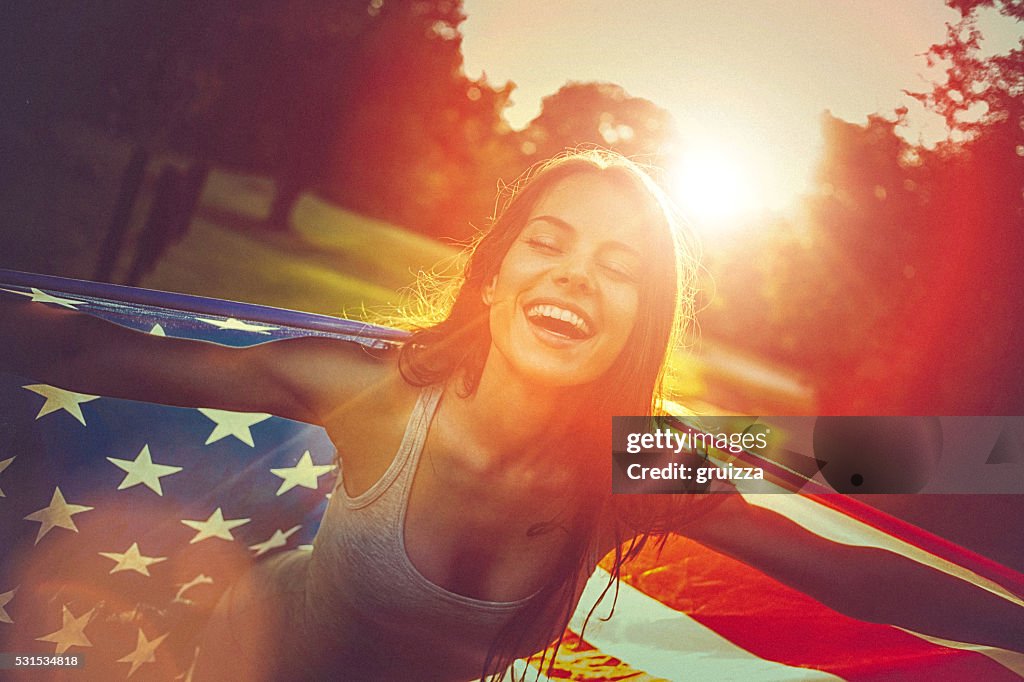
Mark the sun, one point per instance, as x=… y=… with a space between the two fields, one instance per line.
x=713 y=187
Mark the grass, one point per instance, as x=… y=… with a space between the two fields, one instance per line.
x=333 y=262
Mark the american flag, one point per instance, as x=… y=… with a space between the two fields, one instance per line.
x=122 y=522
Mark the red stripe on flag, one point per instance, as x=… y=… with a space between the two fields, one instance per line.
x=933 y=544
x=778 y=623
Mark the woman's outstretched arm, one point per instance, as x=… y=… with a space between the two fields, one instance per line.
x=867 y=583
x=296 y=378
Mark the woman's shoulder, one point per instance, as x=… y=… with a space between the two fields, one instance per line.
x=363 y=402
x=348 y=360
x=328 y=375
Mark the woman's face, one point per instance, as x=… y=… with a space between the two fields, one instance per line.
x=566 y=296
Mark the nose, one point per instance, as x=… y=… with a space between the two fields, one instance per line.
x=574 y=273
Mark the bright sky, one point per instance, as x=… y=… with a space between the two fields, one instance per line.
x=747 y=81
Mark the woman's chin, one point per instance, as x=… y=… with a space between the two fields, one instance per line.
x=548 y=361
x=555 y=375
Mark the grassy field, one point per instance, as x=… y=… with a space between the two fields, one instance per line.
x=333 y=262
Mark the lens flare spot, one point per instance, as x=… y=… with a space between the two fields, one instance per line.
x=713 y=187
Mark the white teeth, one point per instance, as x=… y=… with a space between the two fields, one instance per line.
x=557 y=313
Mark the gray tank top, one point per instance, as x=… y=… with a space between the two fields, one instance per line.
x=360 y=568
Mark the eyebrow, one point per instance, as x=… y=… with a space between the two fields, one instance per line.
x=561 y=224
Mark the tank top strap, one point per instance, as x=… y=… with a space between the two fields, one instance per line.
x=403 y=465
x=416 y=436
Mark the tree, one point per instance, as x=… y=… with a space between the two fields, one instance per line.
x=978 y=191
x=917 y=251
x=601 y=114
x=418 y=142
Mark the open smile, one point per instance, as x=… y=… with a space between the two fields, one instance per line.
x=560 y=320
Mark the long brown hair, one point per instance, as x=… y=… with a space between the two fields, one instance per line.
x=454 y=345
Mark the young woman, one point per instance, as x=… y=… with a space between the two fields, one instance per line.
x=473 y=500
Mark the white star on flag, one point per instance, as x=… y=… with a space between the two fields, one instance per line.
x=214 y=527
x=278 y=539
x=232 y=424
x=59 y=399
x=3 y=465
x=237 y=325
x=5 y=599
x=201 y=579
x=39 y=296
x=143 y=470
x=145 y=652
x=132 y=560
x=304 y=474
x=56 y=515
x=71 y=633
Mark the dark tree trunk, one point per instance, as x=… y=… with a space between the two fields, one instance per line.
x=287 y=195
x=191 y=191
x=131 y=182
x=160 y=224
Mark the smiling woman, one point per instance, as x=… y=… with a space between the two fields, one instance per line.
x=586 y=238
x=547 y=320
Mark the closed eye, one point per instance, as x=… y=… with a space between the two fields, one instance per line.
x=543 y=244
x=620 y=270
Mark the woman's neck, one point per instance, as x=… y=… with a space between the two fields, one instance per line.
x=513 y=419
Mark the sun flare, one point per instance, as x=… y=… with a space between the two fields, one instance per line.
x=713 y=187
